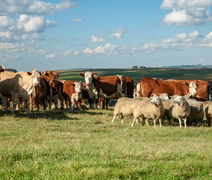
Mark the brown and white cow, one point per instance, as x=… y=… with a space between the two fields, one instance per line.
x=137 y=90
x=151 y=86
x=44 y=90
x=20 y=84
x=72 y=91
x=203 y=88
x=104 y=86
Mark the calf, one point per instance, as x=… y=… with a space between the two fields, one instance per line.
x=72 y=91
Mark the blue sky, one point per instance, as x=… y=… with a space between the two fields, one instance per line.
x=67 y=34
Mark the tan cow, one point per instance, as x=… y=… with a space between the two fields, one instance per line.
x=20 y=84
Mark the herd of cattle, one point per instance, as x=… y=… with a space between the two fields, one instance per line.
x=186 y=100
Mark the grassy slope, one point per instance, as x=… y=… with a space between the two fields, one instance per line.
x=86 y=145
x=137 y=74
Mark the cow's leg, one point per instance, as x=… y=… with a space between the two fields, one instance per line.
x=107 y=103
x=79 y=105
x=27 y=105
x=155 y=120
x=66 y=102
x=55 y=101
x=122 y=118
x=143 y=121
x=14 y=100
x=4 y=103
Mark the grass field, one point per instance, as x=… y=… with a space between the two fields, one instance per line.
x=86 y=145
x=138 y=74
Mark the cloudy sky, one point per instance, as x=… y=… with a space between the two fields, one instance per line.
x=68 y=34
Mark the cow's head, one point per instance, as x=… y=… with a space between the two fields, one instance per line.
x=78 y=87
x=3 y=68
x=193 y=88
x=52 y=75
x=35 y=77
x=88 y=77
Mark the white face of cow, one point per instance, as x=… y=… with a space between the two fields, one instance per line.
x=78 y=87
x=193 y=88
x=35 y=77
x=88 y=78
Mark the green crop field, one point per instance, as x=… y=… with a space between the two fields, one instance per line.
x=64 y=144
x=137 y=74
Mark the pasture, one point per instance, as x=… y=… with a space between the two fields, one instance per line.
x=62 y=144
x=86 y=145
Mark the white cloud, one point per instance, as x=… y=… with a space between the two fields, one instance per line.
x=36 y=7
x=118 y=33
x=187 y=12
x=75 y=20
x=107 y=49
x=67 y=53
x=28 y=23
x=97 y=39
x=51 y=55
x=42 y=52
x=9 y=57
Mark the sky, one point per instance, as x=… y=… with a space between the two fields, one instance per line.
x=69 y=34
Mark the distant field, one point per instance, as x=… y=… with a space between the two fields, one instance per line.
x=137 y=74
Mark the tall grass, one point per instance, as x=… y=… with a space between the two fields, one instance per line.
x=86 y=145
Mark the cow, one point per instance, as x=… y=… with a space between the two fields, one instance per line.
x=20 y=84
x=3 y=68
x=130 y=86
x=44 y=90
x=151 y=86
x=137 y=90
x=104 y=86
x=203 y=88
x=72 y=91
x=57 y=93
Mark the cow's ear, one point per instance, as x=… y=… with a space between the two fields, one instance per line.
x=29 y=73
x=81 y=74
x=43 y=73
x=187 y=84
x=94 y=74
x=135 y=85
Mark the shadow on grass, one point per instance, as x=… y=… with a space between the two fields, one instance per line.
x=49 y=114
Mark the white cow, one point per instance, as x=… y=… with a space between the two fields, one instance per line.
x=20 y=84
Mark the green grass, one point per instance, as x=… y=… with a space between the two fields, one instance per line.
x=86 y=145
x=138 y=74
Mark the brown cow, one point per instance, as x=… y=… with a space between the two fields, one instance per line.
x=130 y=87
x=44 y=91
x=72 y=91
x=104 y=86
x=57 y=93
x=203 y=88
x=150 y=86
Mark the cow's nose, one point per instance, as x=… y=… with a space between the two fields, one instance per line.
x=36 y=84
x=194 y=94
x=88 y=84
